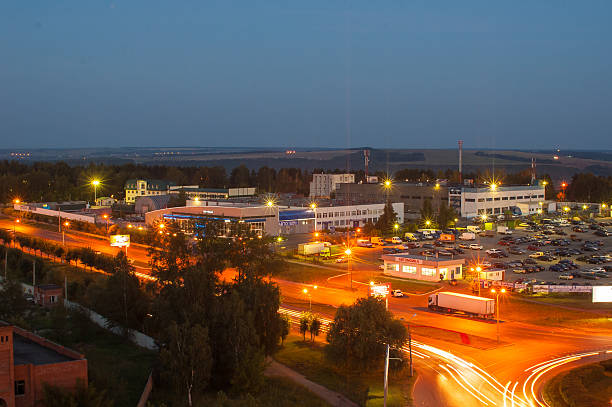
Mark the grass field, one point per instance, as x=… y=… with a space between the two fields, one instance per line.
x=407 y=286
x=364 y=388
x=586 y=386
x=303 y=273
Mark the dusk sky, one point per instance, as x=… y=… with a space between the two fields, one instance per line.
x=403 y=74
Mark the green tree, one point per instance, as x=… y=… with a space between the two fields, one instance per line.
x=315 y=327
x=285 y=327
x=387 y=220
x=304 y=325
x=446 y=216
x=186 y=358
x=12 y=302
x=122 y=300
x=83 y=396
x=359 y=332
x=427 y=212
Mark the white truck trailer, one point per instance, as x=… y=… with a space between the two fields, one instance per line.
x=445 y=301
x=467 y=236
x=307 y=249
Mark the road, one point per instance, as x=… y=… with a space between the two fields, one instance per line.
x=451 y=373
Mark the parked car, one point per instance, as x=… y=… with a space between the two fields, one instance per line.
x=397 y=293
x=515 y=250
x=475 y=246
x=566 y=277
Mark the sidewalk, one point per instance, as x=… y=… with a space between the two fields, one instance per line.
x=333 y=398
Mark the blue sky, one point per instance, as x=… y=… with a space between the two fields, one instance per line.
x=405 y=74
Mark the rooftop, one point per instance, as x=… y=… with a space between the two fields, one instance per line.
x=27 y=352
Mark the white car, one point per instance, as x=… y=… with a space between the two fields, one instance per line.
x=475 y=246
x=397 y=293
x=597 y=270
x=493 y=251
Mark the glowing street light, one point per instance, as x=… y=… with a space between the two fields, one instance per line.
x=396 y=226
x=66 y=224
x=387 y=183
x=484 y=217
x=16 y=200
x=585 y=207
x=161 y=226
x=493 y=186
x=348 y=252
x=427 y=223
x=494 y=291
x=95 y=184
x=270 y=204
x=566 y=209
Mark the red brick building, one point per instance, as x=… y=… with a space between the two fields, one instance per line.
x=28 y=361
x=48 y=294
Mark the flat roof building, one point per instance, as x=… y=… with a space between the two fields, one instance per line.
x=28 y=362
x=271 y=220
x=323 y=185
x=488 y=200
x=407 y=265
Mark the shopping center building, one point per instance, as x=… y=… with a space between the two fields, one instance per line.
x=271 y=219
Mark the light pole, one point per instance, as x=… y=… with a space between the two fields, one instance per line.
x=305 y=291
x=105 y=216
x=95 y=184
x=494 y=291
x=15 y=232
x=66 y=224
x=348 y=265
x=313 y=206
x=387 y=359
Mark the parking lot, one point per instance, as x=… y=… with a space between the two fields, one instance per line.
x=528 y=253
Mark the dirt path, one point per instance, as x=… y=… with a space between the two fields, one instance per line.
x=335 y=399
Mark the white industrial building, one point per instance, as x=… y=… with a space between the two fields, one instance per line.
x=332 y=217
x=488 y=200
x=322 y=185
x=274 y=219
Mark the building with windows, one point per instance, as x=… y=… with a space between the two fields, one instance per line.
x=353 y=216
x=410 y=194
x=213 y=193
x=485 y=200
x=423 y=268
x=322 y=185
x=28 y=362
x=147 y=187
x=271 y=220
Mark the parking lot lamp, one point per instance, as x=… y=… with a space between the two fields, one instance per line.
x=497 y=293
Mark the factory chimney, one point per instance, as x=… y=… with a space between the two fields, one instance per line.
x=366 y=157
x=533 y=170
x=460 y=161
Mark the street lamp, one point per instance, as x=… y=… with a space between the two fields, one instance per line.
x=494 y=291
x=95 y=184
x=16 y=200
x=348 y=265
x=396 y=227
x=66 y=224
x=493 y=186
x=313 y=206
x=585 y=207
x=105 y=216
x=305 y=291
x=427 y=222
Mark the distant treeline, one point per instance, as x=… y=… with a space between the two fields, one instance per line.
x=47 y=181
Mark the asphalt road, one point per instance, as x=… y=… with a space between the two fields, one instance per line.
x=452 y=374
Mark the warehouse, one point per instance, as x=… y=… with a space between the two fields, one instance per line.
x=424 y=268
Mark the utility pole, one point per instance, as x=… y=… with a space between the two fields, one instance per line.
x=34 y=279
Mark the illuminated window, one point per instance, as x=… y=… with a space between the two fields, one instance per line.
x=428 y=272
x=409 y=269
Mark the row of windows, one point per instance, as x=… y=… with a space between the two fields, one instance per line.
x=349 y=213
x=350 y=222
x=504 y=198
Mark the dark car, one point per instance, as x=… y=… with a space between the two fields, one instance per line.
x=529 y=261
x=516 y=250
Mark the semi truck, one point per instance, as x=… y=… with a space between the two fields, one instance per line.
x=332 y=251
x=471 y=305
x=307 y=249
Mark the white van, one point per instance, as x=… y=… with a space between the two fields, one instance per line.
x=474 y=229
x=396 y=240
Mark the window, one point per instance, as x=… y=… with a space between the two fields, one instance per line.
x=409 y=269
x=504 y=198
x=470 y=200
x=19 y=387
x=512 y=198
x=519 y=197
x=52 y=298
x=393 y=267
x=443 y=272
x=497 y=199
x=489 y=199
x=480 y=199
x=428 y=272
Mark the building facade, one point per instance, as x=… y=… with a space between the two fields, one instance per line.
x=353 y=216
x=214 y=193
x=146 y=187
x=322 y=185
x=484 y=200
x=271 y=220
x=410 y=194
x=28 y=362
x=423 y=268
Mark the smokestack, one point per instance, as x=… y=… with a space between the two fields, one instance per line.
x=533 y=170
x=460 y=142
